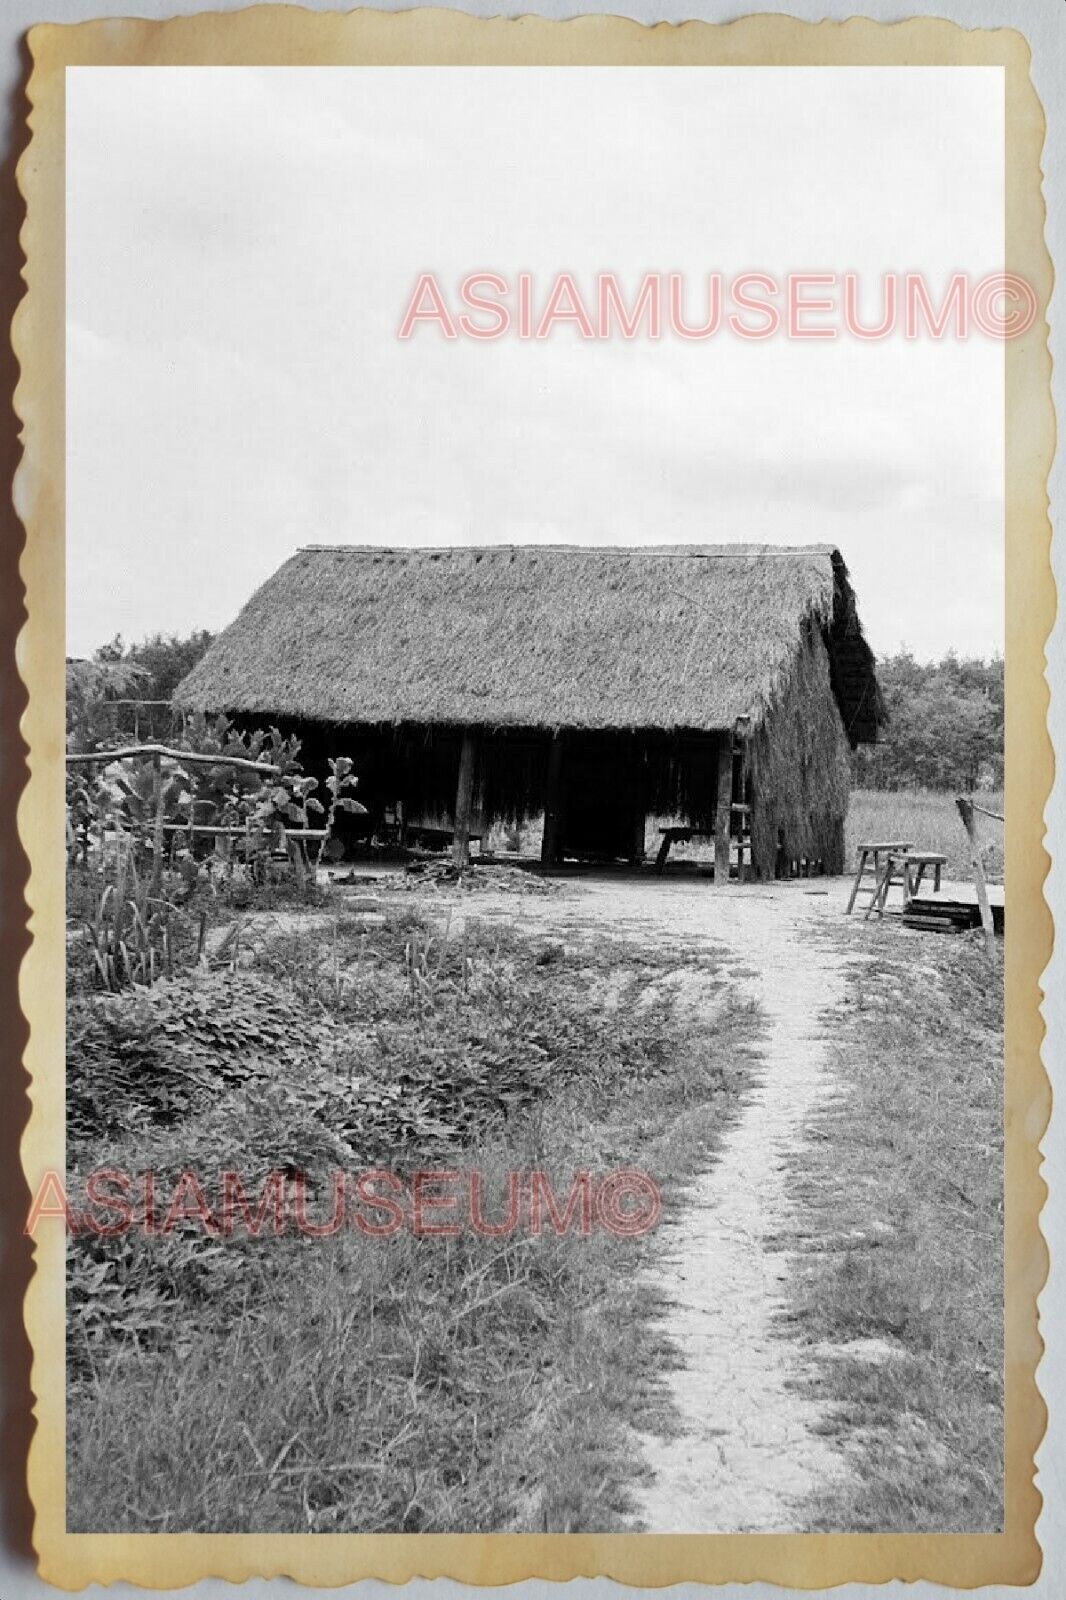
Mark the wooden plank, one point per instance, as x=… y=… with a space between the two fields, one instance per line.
x=722 y=815
x=464 y=801
x=933 y=924
x=157 y=836
x=938 y=906
x=88 y=758
x=238 y=831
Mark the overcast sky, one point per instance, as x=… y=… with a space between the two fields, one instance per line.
x=242 y=243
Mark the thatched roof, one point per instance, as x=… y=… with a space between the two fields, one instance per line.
x=537 y=636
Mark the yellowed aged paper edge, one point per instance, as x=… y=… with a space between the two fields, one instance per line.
x=278 y=35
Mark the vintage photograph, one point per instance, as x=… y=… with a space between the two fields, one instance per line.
x=535 y=853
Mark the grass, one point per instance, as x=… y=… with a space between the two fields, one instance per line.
x=902 y=1175
x=930 y=820
x=409 y=1384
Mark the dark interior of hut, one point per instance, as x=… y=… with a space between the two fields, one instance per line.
x=596 y=786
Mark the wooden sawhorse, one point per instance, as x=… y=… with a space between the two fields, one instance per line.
x=869 y=865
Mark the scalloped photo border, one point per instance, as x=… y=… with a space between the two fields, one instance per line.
x=279 y=35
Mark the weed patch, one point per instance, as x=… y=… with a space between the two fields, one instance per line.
x=353 y=1383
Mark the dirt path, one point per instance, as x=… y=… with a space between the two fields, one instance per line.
x=752 y=1449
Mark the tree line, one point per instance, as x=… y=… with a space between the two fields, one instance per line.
x=155 y=666
x=945 y=725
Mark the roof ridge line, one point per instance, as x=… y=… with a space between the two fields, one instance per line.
x=703 y=551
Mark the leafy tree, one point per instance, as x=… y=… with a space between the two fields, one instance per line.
x=91 y=687
x=945 y=728
x=164 y=659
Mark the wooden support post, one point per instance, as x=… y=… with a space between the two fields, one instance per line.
x=639 y=817
x=553 y=802
x=157 y=839
x=723 y=815
x=637 y=849
x=464 y=803
x=966 y=813
x=836 y=859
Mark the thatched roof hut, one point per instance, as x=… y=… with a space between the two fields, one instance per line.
x=644 y=663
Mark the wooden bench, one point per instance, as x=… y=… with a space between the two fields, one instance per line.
x=676 y=836
x=226 y=834
x=437 y=839
x=682 y=835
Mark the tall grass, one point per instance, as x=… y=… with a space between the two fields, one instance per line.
x=902 y=1175
x=127 y=928
x=929 y=819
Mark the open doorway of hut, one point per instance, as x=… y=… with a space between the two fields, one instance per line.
x=602 y=802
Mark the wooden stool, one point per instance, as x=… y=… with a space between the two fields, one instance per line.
x=869 y=866
x=920 y=859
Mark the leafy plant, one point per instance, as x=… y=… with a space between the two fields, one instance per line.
x=170 y=1048
x=341 y=779
x=129 y=930
x=259 y=811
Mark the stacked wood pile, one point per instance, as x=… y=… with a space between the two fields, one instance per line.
x=950 y=912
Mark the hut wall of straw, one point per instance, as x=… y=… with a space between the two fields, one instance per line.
x=799 y=768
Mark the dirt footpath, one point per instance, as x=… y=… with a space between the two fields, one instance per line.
x=753 y=1448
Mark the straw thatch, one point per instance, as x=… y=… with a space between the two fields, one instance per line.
x=538 y=637
x=800 y=776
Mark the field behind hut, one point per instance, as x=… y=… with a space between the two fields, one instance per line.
x=928 y=818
